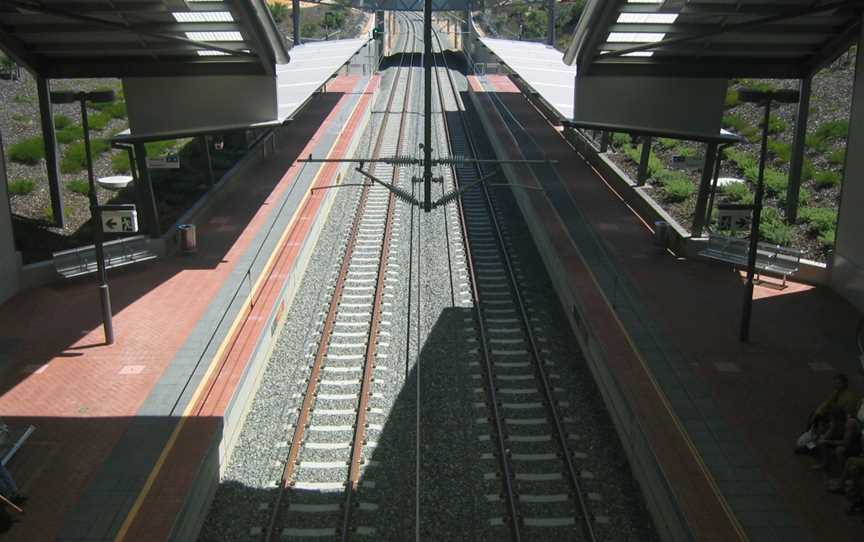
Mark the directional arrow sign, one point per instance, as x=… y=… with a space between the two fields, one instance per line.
x=734 y=219
x=120 y=221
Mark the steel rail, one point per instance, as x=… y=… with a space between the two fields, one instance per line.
x=375 y=324
x=327 y=330
x=554 y=416
x=510 y=495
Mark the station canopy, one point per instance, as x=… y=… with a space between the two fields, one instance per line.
x=120 y=38
x=542 y=68
x=713 y=38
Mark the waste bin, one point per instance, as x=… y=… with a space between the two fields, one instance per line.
x=188 y=238
x=661 y=234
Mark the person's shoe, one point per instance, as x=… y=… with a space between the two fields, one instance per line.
x=18 y=499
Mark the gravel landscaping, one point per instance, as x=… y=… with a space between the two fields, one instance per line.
x=813 y=233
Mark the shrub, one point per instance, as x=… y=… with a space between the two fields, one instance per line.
x=819 y=219
x=775 y=182
x=158 y=148
x=740 y=158
x=685 y=151
x=807 y=170
x=79 y=186
x=761 y=86
x=827 y=179
x=279 y=12
x=735 y=122
x=773 y=229
x=70 y=135
x=735 y=192
x=61 y=122
x=620 y=140
x=24 y=119
x=677 y=190
x=837 y=156
x=803 y=197
x=834 y=129
x=74 y=159
x=27 y=151
x=117 y=110
x=22 y=187
x=120 y=163
x=827 y=238
x=665 y=176
x=22 y=99
x=99 y=121
x=731 y=98
x=667 y=143
x=815 y=143
x=775 y=125
x=782 y=151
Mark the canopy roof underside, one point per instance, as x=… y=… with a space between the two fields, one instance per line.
x=713 y=38
x=120 y=38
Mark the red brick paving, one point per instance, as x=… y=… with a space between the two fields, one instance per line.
x=80 y=403
x=699 y=304
x=166 y=499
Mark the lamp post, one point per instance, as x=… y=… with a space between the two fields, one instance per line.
x=99 y=96
x=764 y=98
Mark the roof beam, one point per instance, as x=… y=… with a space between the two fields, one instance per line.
x=73 y=68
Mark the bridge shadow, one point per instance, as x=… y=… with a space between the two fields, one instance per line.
x=450 y=471
x=53 y=322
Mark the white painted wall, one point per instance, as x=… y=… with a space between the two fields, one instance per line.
x=10 y=261
x=847 y=274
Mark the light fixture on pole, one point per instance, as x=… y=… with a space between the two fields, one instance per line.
x=764 y=98
x=98 y=96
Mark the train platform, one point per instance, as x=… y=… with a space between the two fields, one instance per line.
x=720 y=418
x=126 y=433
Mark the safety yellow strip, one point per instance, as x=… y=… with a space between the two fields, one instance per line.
x=151 y=479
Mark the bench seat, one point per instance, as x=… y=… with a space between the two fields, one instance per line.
x=119 y=252
x=769 y=258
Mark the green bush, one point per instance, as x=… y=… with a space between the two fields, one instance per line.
x=99 y=121
x=761 y=86
x=735 y=122
x=781 y=151
x=827 y=238
x=79 y=186
x=279 y=12
x=22 y=99
x=740 y=158
x=677 y=190
x=620 y=140
x=61 y=122
x=27 y=151
x=21 y=187
x=74 y=159
x=158 y=148
x=735 y=192
x=837 y=156
x=23 y=119
x=667 y=143
x=807 y=170
x=818 y=219
x=665 y=176
x=117 y=110
x=773 y=229
x=776 y=125
x=120 y=163
x=731 y=98
x=814 y=143
x=827 y=179
x=775 y=182
x=685 y=151
x=70 y=135
x=834 y=129
x=803 y=197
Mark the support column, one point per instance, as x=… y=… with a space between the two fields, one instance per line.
x=9 y=259
x=147 y=197
x=847 y=274
x=550 y=17
x=704 y=189
x=204 y=141
x=49 y=136
x=604 y=141
x=427 y=105
x=796 y=166
x=642 y=173
x=466 y=30
x=295 y=20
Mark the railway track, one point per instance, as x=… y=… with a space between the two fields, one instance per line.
x=335 y=425
x=533 y=461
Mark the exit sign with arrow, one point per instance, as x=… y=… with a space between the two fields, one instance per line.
x=120 y=220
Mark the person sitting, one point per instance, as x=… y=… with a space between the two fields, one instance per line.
x=840 y=441
x=841 y=400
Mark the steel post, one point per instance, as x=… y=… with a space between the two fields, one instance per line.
x=796 y=166
x=642 y=173
x=295 y=20
x=427 y=105
x=754 y=231
x=604 y=141
x=550 y=18
x=704 y=189
x=49 y=136
x=204 y=141
x=149 y=209
x=98 y=235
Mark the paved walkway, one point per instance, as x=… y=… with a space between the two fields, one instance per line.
x=686 y=314
x=84 y=468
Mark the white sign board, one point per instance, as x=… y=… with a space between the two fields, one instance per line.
x=169 y=161
x=734 y=219
x=123 y=221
